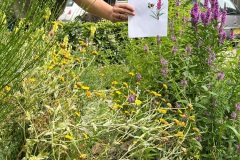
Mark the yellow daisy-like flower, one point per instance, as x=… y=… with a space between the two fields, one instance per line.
x=95 y=53
x=179 y=111
x=196 y=156
x=31 y=79
x=85 y=87
x=118 y=92
x=85 y=136
x=78 y=114
x=192 y=118
x=78 y=60
x=83 y=156
x=131 y=73
x=50 y=67
x=62 y=79
x=164 y=100
x=114 y=82
x=83 y=51
x=163 y=111
x=112 y=87
x=132 y=92
x=7 y=88
x=89 y=94
x=169 y=105
x=155 y=94
x=179 y=134
x=156 y=120
x=125 y=84
x=101 y=74
x=190 y=106
x=165 y=86
x=68 y=137
x=138 y=102
x=163 y=121
x=79 y=84
x=196 y=129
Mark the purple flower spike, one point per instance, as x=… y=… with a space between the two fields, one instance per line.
x=165 y=71
x=220 y=76
x=211 y=58
x=205 y=5
x=195 y=13
x=224 y=14
x=163 y=61
x=174 y=49
x=188 y=49
x=139 y=77
x=131 y=98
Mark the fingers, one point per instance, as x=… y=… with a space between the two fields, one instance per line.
x=120 y=12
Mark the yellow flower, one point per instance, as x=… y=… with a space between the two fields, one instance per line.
x=85 y=135
x=62 y=78
x=102 y=74
x=99 y=94
x=190 y=106
x=118 y=92
x=165 y=86
x=156 y=120
x=7 y=88
x=125 y=84
x=78 y=60
x=164 y=100
x=85 y=87
x=127 y=112
x=112 y=87
x=83 y=156
x=50 y=67
x=32 y=79
x=163 y=111
x=155 y=94
x=192 y=118
x=169 y=105
x=79 y=84
x=95 y=53
x=89 y=94
x=179 y=134
x=179 y=111
x=114 y=82
x=132 y=92
x=196 y=129
x=78 y=114
x=184 y=150
x=83 y=51
x=163 y=121
x=131 y=73
x=68 y=137
x=165 y=132
x=138 y=102
x=196 y=156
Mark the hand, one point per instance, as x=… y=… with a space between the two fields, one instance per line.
x=120 y=12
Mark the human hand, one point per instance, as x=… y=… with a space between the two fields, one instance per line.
x=120 y=12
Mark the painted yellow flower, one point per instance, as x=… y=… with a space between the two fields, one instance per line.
x=138 y=102
x=131 y=73
x=85 y=87
x=85 y=135
x=162 y=111
x=165 y=86
x=78 y=114
x=68 y=137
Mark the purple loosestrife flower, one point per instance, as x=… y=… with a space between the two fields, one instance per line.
x=216 y=10
x=188 y=49
x=233 y=115
x=231 y=36
x=164 y=72
x=238 y=147
x=178 y=3
x=222 y=35
x=145 y=48
x=163 y=61
x=131 y=98
x=220 y=76
x=174 y=49
x=238 y=106
x=208 y=16
x=205 y=5
x=139 y=77
x=224 y=14
x=195 y=13
x=173 y=38
x=211 y=58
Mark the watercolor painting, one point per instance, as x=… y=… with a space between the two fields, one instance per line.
x=156 y=9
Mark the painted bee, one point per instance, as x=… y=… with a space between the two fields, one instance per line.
x=150 y=5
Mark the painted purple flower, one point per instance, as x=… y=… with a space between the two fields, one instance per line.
x=131 y=98
x=164 y=71
x=163 y=61
x=211 y=58
x=159 y=4
x=145 y=48
x=233 y=115
x=139 y=77
x=220 y=76
x=195 y=13
x=238 y=106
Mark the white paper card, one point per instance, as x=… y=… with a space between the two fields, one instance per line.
x=150 y=20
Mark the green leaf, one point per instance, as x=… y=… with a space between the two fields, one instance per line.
x=235 y=131
x=199 y=105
